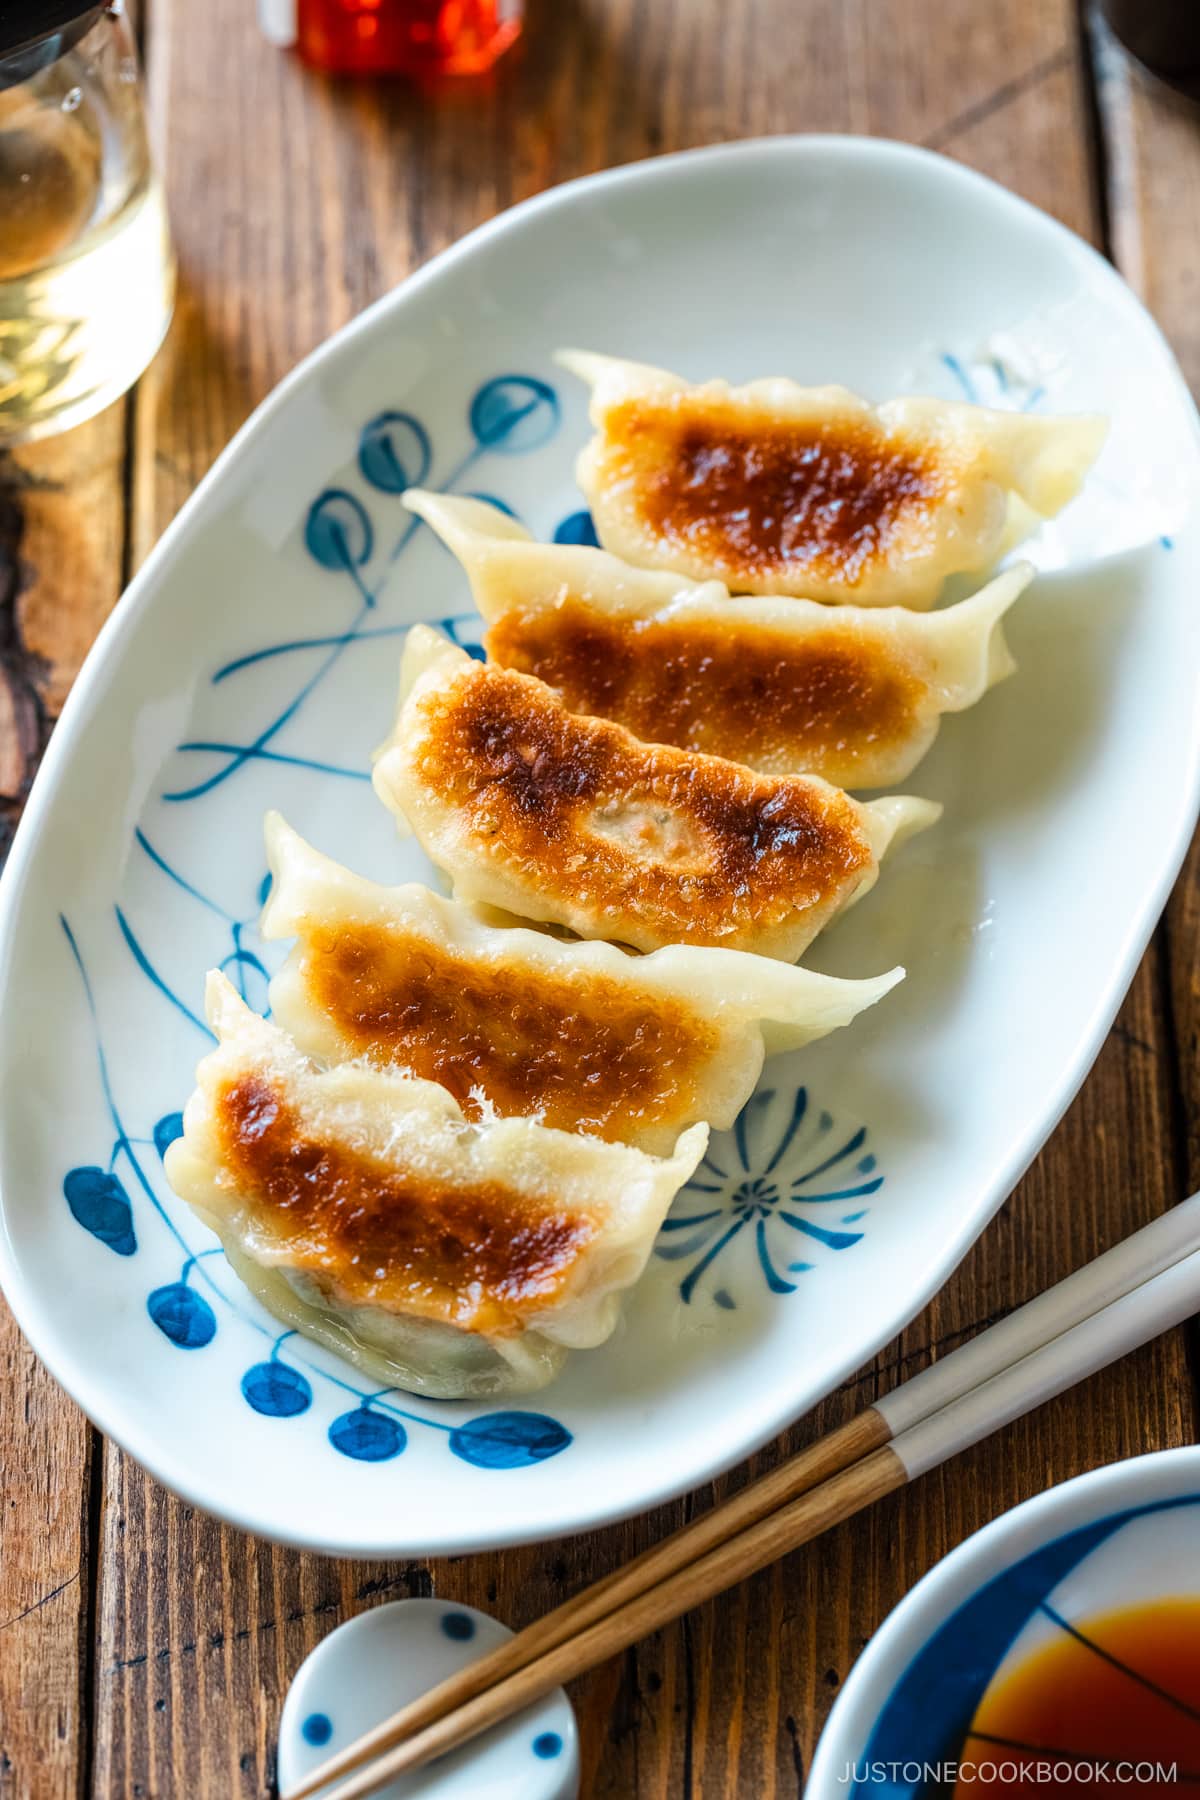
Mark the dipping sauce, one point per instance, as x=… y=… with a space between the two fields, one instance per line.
x=1121 y=1688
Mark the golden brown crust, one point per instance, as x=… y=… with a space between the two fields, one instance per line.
x=579 y=1053
x=705 y=849
x=476 y=1257
x=827 y=497
x=773 y=699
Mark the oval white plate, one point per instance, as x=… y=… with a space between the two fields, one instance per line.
x=1118 y=1537
x=253 y=664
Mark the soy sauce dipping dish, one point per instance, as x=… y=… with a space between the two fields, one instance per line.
x=253 y=664
x=1039 y=1579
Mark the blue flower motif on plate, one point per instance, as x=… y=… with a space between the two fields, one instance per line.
x=775 y=1175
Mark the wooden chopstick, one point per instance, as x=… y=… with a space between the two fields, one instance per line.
x=1087 y=1320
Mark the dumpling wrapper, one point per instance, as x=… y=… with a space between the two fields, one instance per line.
x=551 y=816
x=774 y=488
x=517 y=1023
x=854 y=694
x=362 y=1209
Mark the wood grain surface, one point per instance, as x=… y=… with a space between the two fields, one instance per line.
x=145 y=1649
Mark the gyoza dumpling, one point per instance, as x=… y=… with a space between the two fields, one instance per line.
x=362 y=1209
x=778 y=489
x=560 y=818
x=851 y=693
x=516 y=1023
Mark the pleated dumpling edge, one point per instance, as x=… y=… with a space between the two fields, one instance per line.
x=785 y=685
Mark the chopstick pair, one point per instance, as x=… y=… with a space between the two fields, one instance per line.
x=1140 y=1288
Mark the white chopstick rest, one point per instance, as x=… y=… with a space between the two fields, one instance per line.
x=1117 y=1272
x=388 y=1656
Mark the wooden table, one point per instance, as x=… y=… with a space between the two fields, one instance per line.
x=145 y=1649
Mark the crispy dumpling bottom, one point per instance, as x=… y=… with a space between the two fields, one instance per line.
x=775 y=488
x=556 y=817
x=446 y=1257
x=515 y=1023
x=853 y=694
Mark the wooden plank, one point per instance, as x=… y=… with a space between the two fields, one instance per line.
x=44 y=1576
x=1153 y=161
x=61 y=535
x=62 y=517
x=312 y=199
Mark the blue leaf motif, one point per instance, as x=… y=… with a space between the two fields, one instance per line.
x=576 y=528
x=394 y=452
x=100 y=1204
x=184 y=1317
x=367 y=1436
x=337 y=531
x=276 y=1390
x=514 y=413
x=167 y=1129
x=509 y=1440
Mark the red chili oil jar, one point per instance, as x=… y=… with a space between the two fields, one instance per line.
x=396 y=37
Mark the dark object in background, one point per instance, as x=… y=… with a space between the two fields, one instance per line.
x=1162 y=34
x=36 y=32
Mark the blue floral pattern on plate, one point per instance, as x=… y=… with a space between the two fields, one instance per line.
x=371 y=1431
x=509 y=415
x=784 y=1162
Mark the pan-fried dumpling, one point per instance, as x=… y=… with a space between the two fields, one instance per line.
x=551 y=816
x=441 y=1256
x=516 y=1023
x=851 y=693
x=778 y=489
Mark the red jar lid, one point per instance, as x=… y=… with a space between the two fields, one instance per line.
x=414 y=37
